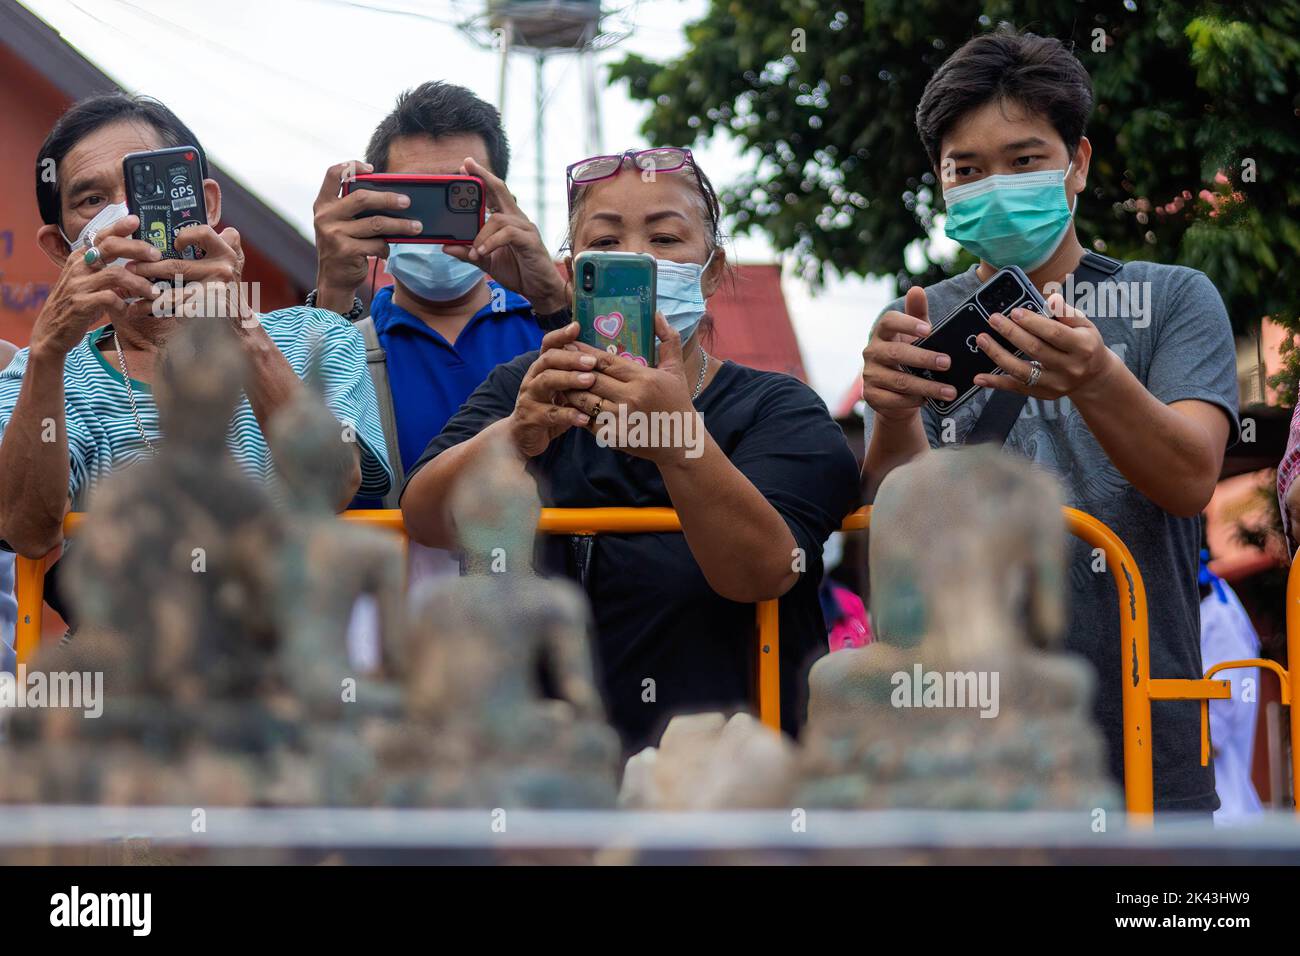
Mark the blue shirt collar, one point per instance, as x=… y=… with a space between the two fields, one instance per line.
x=388 y=313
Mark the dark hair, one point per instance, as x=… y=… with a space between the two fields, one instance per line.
x=441 y=109
x=1039 y=73
x=88 y=115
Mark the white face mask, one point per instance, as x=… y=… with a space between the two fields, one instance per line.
x=103 y=219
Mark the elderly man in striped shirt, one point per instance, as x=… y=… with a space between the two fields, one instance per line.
x=77 y=402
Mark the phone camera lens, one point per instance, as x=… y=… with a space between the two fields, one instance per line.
x=588 y=277
x=1001 y=295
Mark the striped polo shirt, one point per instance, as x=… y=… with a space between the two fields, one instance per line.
x=102 y=431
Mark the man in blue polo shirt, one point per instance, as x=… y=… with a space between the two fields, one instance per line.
x=443 y=325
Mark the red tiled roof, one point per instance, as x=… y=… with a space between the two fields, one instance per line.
x=752 y=324
x=844 y=407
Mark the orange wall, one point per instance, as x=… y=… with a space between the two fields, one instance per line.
x=29 y=106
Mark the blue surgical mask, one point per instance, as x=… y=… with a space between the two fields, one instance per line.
x=678 y=294
x=430 y=273
x=1014 y=219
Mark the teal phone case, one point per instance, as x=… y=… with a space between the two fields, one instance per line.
x=617 y=312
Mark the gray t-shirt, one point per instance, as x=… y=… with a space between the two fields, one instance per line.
x=1177 y=341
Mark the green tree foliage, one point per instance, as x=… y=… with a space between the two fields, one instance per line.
x=1195 y=131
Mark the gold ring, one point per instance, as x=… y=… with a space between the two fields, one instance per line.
x=595 y=409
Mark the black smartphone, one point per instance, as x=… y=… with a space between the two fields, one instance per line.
x=955 y=336
x=450 y=209
x=164 y=187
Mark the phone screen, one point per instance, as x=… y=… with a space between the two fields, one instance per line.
x=450 y=212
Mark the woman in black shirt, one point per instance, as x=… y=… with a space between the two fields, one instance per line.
x=758 y=493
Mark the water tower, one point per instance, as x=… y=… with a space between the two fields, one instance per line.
x=542 y=28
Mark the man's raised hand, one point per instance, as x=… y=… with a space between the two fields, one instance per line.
x=892 y=392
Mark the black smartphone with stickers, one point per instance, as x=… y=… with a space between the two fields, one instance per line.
x=164 y=188
x=955 y=336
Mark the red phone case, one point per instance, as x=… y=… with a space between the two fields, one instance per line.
x=418 y=178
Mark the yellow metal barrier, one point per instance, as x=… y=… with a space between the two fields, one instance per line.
x=1138 y=690
x=1288 y=678
x=1293 y=668
x=30 y=581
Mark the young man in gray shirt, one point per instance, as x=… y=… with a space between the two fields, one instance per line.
x=1132 y=390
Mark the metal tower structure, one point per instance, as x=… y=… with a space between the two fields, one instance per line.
x=541 y=29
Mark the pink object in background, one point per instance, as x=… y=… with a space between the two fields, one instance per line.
x=853 y=628
x=1289 y=468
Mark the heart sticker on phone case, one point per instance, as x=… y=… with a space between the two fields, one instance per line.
x=609 y=325
x=635 y=358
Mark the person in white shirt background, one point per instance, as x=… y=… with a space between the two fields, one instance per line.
x=1227 y=634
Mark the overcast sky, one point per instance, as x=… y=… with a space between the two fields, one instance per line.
x=278 y=91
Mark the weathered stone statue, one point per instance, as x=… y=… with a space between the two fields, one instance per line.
x=496 y=516
x=957 y=704
x=177 y=550
x=324 y=565
x=169 y=577
x=220 y=623
x=501 y=701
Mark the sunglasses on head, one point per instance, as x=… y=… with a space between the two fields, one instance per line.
x=660 y=159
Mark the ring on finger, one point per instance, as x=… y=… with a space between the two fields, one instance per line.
x=93 y=256
x=595 y=409
x=1035 y=373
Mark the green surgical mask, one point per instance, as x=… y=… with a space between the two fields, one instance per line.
x=1014 y=219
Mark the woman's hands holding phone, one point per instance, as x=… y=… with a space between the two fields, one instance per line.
x=510 y=249
x=541 y=413
x=894 y=393
x=622 y=385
